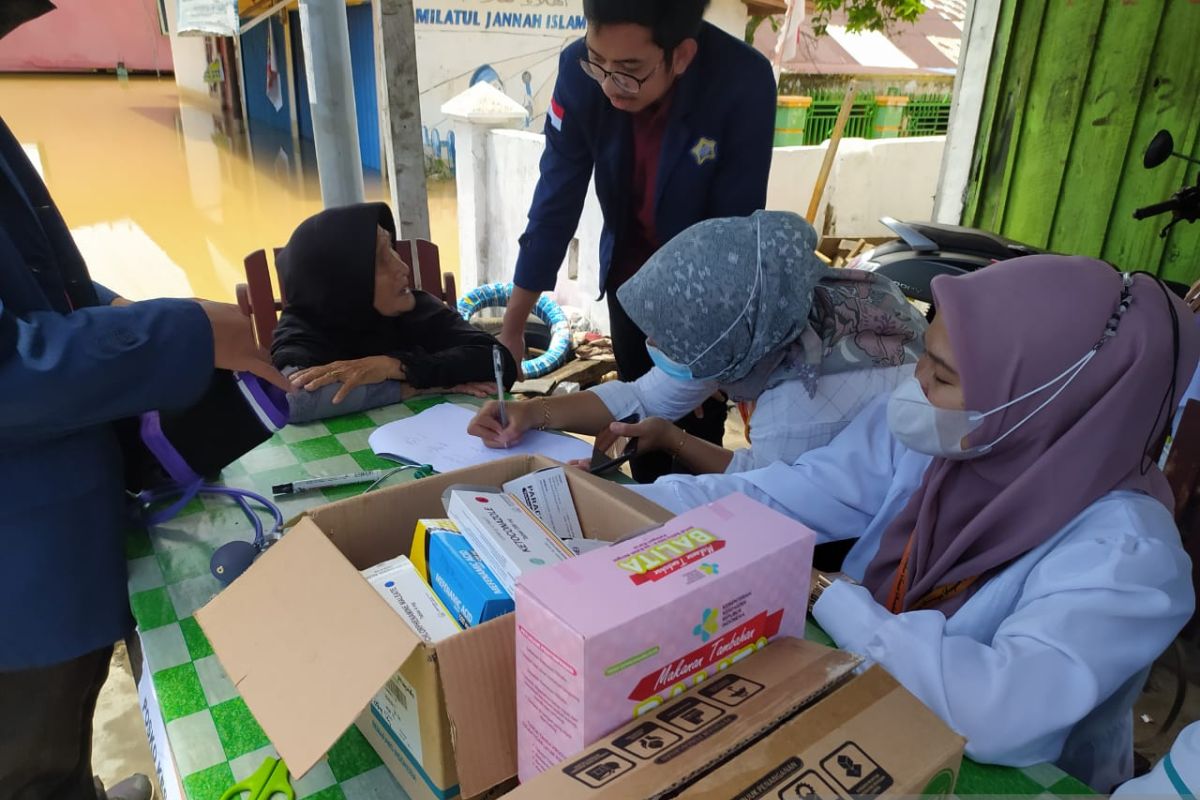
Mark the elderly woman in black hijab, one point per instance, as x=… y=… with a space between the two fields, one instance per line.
x=355 y=334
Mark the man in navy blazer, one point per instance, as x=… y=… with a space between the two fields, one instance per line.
x=676 y=120
x=74 y=359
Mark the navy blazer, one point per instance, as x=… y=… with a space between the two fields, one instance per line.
x=716 y=154
x=70 y=365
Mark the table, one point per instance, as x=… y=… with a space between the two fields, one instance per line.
x=203 y=736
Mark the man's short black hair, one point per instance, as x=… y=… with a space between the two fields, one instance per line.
x=670 y=21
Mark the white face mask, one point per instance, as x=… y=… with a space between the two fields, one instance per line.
x=921 y=426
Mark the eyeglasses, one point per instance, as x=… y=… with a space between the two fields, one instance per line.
x=630 y=84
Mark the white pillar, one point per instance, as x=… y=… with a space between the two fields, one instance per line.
x=474 y=114
x=326 y=38
x=970 y=83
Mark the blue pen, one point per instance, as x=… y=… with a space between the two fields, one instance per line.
x=498 y=367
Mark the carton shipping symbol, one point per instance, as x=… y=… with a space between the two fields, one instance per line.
x=598 y=768
x=809 y=786
x=855 y=771
x=647 y=741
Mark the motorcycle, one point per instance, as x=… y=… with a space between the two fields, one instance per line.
x=925 y=250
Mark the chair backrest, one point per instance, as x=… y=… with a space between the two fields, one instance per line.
x=426 y=263
x=257 y=298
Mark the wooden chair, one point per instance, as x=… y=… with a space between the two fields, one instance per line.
x=257 y=300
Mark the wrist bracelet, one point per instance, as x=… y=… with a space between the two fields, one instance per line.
x=545 y=414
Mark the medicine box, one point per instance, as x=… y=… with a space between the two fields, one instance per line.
x=397 y=581
x=609 y=635
x=505 y=534
x=463 y=582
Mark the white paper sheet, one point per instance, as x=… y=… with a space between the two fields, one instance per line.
x=438 y=436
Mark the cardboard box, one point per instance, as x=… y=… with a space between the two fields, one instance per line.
x=676 y=744
x=869 y=738
x=463 y=582
x=614 y=633
x=281 y=632
x=547 y=494
x=505 y=534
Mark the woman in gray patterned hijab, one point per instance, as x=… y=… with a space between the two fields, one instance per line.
x=771 y=310
x=745 y=306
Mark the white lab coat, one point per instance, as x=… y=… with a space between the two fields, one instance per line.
x=1044 y=661
x=786 y=422
x=1185 y=758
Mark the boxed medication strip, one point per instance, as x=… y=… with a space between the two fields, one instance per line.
x=463 y=582
x=548 y=495
x=505 y=534
x=398 y=582
x=610 y=635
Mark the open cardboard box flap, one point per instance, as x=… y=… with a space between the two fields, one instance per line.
x=280 y=633
x=483 y=722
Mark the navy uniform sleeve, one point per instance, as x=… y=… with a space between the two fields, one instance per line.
x=106 y=295
x=744 y=162
x=566 y=169
x=96 y=365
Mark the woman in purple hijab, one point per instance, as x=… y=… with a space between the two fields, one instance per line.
x=1017 y=565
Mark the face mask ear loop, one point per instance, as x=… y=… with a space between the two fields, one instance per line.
x=749 y=301
x=1072 y=372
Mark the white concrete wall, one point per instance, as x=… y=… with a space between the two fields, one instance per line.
x=729 y=15
x=870 y=179
x=187 y=53
x=456 y=39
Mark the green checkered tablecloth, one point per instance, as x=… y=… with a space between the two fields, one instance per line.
x=201 y=731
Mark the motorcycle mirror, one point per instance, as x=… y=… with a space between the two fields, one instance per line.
x=1160 y=149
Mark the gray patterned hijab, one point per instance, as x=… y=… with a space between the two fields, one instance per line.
x=746 y=302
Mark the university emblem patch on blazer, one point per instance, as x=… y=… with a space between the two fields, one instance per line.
x=705 y=149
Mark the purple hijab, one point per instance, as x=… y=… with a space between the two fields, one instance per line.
x=1014 y=326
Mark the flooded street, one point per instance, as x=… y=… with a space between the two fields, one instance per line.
x=166 y=198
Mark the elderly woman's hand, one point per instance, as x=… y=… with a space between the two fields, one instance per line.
x=350 y=374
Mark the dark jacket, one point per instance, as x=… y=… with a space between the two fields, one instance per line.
x=70 y=365
x=716 y=154
x=327 y=277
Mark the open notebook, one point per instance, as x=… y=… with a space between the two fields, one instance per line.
x=438 y=436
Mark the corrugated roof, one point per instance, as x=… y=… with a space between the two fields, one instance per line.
x=928 y=47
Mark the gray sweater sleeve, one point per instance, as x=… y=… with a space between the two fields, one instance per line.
x=311 y=406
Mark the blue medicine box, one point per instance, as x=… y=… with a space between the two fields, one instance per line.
x=462 y=581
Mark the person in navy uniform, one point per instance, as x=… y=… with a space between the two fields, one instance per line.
x=676 y=119
x=74 y=359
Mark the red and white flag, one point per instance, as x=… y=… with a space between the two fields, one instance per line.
x=556 y=113
x=274 y=88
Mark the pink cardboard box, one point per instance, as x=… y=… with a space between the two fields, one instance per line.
x=607 y=636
